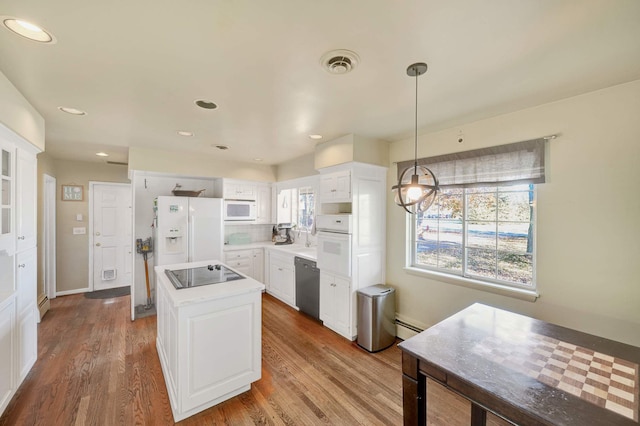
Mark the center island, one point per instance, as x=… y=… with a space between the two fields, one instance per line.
x=209 y=337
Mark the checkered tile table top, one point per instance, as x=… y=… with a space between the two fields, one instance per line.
x=603 y=380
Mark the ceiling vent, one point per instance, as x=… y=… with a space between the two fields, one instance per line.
x=339 y=61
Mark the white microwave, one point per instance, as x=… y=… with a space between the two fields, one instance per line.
x=239 y=210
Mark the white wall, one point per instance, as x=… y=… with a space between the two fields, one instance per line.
x=18 y=115
x=588 y=224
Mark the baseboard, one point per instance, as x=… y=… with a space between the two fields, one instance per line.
x=75 y=291
x=43 y=306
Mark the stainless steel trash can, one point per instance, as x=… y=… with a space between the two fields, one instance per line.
x=376 y=317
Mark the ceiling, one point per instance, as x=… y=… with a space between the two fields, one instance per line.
x=136 y=68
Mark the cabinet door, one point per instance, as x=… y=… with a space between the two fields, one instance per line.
x=27 y=342
x=263 y=204
x=26 y=280
x=326 y=298
x=327 y=186
x=289 y=285
x=26 y=191
x=7 y=194
x=342 y=304
x=7 y=321
x=258 y=265
x=342 y=186
x=275 y=279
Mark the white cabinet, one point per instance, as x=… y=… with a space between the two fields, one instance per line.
x=337 y=304
x=248 y=262
x=263 y=204
x=282 y=278
x=258 y=265
x=240 y=260
x=7 y=195
x=7 y=330
x=335 y=187
x=26 y=294
x=239 y=191
x=26 y=192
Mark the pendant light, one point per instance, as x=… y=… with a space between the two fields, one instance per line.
x=417 y=186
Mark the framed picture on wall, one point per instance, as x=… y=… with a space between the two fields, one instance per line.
x=72 y=193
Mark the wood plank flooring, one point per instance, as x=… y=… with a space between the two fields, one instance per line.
x=96 y=367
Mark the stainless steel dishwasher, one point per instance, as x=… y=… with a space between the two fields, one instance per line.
x=307 y=287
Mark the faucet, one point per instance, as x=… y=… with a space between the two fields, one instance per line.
x=307 y=243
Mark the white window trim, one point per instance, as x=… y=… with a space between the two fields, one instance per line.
x=530 y=295
x=503 y=290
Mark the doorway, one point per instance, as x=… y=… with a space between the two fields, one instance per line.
x=48 y=241
x=110 y=241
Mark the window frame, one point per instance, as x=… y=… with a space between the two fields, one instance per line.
x=524 y=291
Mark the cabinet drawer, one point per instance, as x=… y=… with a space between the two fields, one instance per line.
x=240 y=263
x=230 y=256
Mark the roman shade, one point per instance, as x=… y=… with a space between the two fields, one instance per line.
x=514 y=163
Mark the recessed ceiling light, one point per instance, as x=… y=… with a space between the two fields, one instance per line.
x=203 y=103
x=315 y=137
x=72 y=111
x=221 y=147
x=257 y=159
x=27 y=30
x=102 y=154
x=185 y=133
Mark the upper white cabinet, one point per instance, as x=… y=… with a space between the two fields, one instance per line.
x=7 y=196
x=239 y=190
x=335 y=187
x=263 y=203
x=26 y=192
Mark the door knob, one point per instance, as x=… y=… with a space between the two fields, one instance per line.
x=97 y=244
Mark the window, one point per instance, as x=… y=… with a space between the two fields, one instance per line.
x=485 y=233
x=297 y=206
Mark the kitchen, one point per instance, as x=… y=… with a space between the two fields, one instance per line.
x=584 y=274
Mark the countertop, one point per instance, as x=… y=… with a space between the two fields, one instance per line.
x=299 y=250
x=205 y=293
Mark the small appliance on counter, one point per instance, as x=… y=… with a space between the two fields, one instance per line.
x=284 y=234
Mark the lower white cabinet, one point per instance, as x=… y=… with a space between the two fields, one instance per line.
x=240 y=260
x=258 y=265
x=337 y=304
x=248 y=262
x=26 y=307
x=7 y=327
x=282 y=278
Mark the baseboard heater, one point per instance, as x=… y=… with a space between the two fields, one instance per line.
x=409 y=328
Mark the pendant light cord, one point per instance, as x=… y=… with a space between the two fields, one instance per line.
x=415 y=143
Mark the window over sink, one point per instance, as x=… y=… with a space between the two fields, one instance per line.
x=296 y=203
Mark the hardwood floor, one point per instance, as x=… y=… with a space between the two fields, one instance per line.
x=96 y=367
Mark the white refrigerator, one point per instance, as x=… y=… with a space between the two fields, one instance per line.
x=187 y=229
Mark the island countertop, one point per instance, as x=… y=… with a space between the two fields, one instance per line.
x=204 y=293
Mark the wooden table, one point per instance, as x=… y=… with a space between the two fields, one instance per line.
x=488 y=366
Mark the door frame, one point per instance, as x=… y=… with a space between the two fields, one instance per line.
x=92 y=185
x=49 y=235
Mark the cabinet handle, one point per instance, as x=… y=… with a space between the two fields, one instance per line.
x=21 y=238
x=98 y=244
x=279 y=269
x=22 y=265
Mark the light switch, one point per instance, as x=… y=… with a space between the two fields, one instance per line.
x=79 y=231
x=79 y=217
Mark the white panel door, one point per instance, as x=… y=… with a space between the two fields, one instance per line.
x=112 y=241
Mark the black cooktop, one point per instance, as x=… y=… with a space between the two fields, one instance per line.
x=205 y=275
